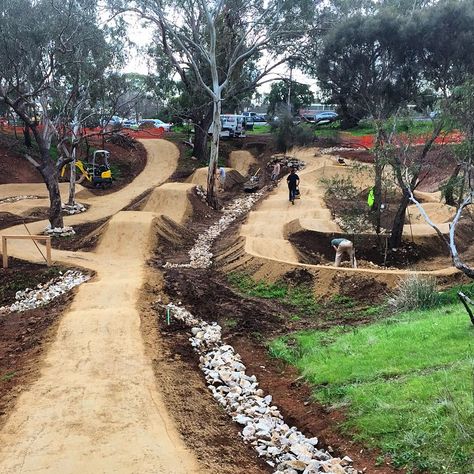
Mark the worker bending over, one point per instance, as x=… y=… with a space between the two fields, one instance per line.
x=344 y=246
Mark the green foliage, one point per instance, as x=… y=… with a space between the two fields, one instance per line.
x=406 y=384
x=259 y=130
x=288 y=135
x=351 y=218
x=8 y=376
x=301 y=297
x=415 y=292
x=339 y=187
x=366 y=65
x=300 y=96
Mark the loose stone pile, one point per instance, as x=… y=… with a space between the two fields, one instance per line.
x=201 y=193
x=336 y=149
x=17 y=198
x=200 y=255
x=45 y=293
x=71 y=209
x=65 y=231
x=283 y=447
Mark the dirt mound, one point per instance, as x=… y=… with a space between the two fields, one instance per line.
x=208 y=297
x=242 y=161
x=172 y=200
x=171 y=235
x=14 y=168
x=361 y=288
x=127 y=234
x=233 y=178
x=86 y=237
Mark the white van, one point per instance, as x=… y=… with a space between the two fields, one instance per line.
x=231 y=126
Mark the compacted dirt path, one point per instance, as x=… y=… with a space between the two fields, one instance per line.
x=267 y=227
x=95 y=407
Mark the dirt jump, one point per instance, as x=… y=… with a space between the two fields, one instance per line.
x=96 y=406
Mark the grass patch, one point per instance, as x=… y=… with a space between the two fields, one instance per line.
x=300 y=297
x=366 y=127
x=259 y=130
x=406 y=384
x=7 y=377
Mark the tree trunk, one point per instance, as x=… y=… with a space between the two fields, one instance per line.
x=214 y=157
x=27 y=136
x=201 y=137
x=378 y=168
x=72 y=179
x=376 y=208
x=348 y=120
x=398 y=222
x=450 y=187
x=72 y=176
x=50 y=177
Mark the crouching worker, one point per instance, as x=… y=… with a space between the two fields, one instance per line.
x=344 y=246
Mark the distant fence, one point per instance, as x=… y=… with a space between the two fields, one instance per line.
x=144 y=133
x=368 y=141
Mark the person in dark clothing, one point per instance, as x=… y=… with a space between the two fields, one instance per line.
x=293 y=181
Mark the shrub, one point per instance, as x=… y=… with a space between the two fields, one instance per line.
x=288 y=135
x=415 y=292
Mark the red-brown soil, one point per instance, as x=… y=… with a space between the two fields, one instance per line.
x=206 y=428
x=24 y=337
x=14 y=168
x=126 y=164
x=247 y=324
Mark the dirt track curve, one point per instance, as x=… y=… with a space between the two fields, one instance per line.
x=267 y=227
x=95 y=407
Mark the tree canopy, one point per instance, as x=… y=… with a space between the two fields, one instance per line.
x=300 y=95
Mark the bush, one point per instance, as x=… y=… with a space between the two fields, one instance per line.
x=340 y=188
x=288 y=135
x=415 y=292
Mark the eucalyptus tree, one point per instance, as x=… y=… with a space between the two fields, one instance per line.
x=289 y=92
x=445 y=66
x=368 y=63
x=215 y=39
x=51 y=52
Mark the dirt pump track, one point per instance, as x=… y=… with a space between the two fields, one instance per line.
x=95 y=406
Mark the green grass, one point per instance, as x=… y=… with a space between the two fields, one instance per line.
x=7 y=377
x=259 y=130
x=406 y=384
x=366 y=127
x=301 y=297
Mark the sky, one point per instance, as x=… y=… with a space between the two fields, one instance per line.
x=142 y=35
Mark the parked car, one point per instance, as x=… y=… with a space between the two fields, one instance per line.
x=129 y=123
x=256 y=118
x=156 y=123
x=435 y=114
x=113 y=121
x=325 y=117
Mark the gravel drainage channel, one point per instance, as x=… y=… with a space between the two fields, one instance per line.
x=200 y=255
x=284 y=448
x=43 y=294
